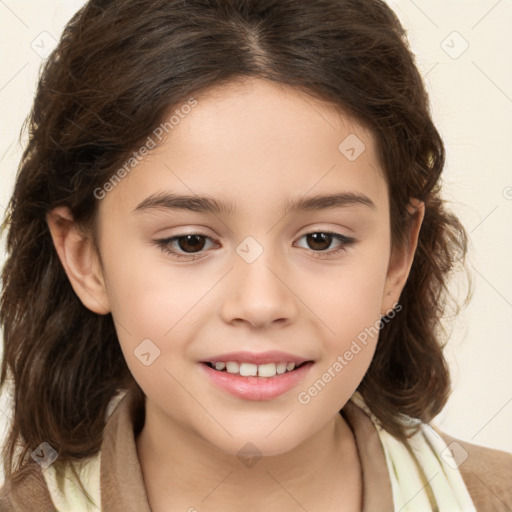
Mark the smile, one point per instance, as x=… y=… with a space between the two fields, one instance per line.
x=260 y=382
x=254 y=370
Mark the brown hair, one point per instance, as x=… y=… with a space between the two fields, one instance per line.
x=117 y=70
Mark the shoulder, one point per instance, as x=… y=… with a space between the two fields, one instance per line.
x=26 y=491
x=32 y=488
x=486 y=472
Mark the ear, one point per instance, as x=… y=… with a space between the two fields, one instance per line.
x=80 y=260
x=400 y=262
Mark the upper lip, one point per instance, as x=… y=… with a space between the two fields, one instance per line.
x=273 y=356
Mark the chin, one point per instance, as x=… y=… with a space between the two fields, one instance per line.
x=258 y=444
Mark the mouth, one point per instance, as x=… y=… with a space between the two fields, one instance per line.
x=244 y=369
x=256 y=375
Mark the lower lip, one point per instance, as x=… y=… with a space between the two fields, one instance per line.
x=257 y=388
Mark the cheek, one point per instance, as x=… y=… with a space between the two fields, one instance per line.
x=149 y=308
x=351 y=311
x=150 y=313
x=351 y=295
x=147 y=293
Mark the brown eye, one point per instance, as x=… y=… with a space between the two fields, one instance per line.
x=191 y=243
x=319 y=241
x=189 y=246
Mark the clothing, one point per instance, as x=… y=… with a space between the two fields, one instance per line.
x=115 y=482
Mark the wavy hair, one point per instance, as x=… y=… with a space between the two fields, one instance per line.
x=119 y=67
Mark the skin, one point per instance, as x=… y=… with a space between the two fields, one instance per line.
x=256 y=144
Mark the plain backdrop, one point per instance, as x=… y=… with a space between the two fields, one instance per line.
x=462 y=49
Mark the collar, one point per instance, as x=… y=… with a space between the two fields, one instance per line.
x=122 y=482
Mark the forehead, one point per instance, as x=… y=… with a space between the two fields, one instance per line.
x=257 y=141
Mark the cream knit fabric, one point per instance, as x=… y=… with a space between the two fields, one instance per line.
x=439 y=488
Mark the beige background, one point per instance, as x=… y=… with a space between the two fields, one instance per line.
x=471 y=97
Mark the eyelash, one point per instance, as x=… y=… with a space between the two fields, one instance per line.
x=165 y=243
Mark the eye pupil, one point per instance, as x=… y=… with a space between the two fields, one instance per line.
x=192 y=240
x=319 y=238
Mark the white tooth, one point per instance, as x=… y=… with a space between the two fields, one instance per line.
x=220 y=365
x=267 y=370
x=281 y=368
x=248 y=370
x=232 y=367
x=290 y=367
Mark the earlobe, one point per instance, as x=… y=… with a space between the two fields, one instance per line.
x=80 y=260
x=401 y=260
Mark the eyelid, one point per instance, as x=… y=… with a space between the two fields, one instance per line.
x=164 y=243
x=345 y=241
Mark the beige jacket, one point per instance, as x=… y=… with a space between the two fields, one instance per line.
x=486 y=472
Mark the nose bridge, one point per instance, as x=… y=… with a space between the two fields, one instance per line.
x=257 y=293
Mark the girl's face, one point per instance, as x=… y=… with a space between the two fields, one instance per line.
x=258 y=279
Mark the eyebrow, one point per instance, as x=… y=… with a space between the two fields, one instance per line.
x=208 y=204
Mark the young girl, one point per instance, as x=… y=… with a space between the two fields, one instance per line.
x=227 y=266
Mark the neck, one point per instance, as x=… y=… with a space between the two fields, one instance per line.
x=182 y=471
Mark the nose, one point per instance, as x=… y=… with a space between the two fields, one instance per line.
x=259 y=294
